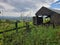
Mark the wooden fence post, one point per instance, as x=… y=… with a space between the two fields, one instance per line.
x=53 y=25
x=16 y=25
x=27 y=27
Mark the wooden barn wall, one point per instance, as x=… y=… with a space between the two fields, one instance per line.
x=56 y=19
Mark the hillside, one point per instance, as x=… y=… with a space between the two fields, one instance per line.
x=34 y=35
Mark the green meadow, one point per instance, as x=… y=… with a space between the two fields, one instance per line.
x=34 y=35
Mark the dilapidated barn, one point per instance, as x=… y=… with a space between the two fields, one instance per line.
x=53 y=14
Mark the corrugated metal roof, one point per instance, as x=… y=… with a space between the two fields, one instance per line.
x=55 y=10
x=58 y=11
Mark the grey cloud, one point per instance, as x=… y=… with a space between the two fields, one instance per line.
x=1 y=7
x=22 y=5
x=25 y=5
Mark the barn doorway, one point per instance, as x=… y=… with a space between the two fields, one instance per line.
x=41 y=20
x=47 y=19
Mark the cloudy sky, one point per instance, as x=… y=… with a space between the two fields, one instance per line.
x=28 y=7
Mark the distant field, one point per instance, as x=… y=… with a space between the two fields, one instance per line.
x=35 y=35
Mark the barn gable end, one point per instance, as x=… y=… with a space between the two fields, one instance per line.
x=53 y=14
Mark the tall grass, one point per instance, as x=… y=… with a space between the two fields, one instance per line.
x=36 y=35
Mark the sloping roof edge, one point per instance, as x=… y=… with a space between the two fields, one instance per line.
x=50 y=10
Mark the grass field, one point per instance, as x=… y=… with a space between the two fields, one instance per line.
x=34 y=35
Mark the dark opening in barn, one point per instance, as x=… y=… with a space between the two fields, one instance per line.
x=41 y=19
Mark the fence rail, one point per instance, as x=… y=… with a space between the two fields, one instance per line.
x=12 y=29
